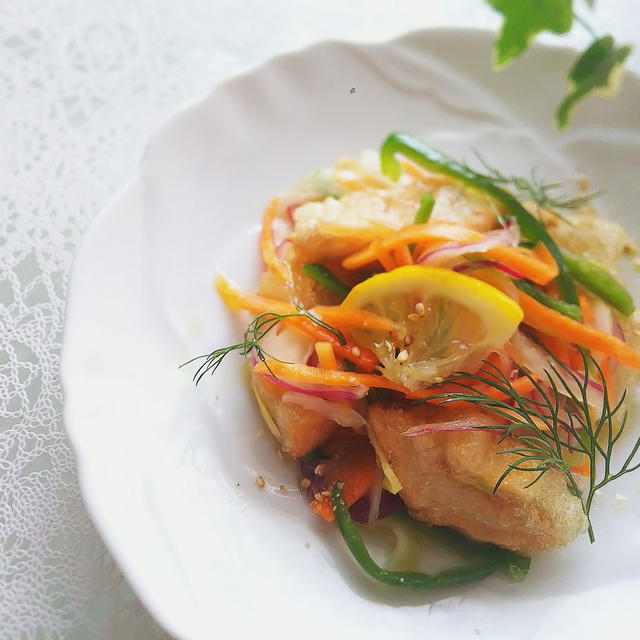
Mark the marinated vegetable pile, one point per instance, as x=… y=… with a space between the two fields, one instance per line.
x=427 y=343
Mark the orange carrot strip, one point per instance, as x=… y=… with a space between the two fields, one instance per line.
x=558 y=348
x=403 y=255
x=364 y=358
x=605 y=367
x=583 y=468
x=585 y=308
x=267 y=248
x=555 y=324
x=344 y=318
x=575 y=359
x=326 y=356
x=383 y=257
x=341 y=317
x=333 y=378
x=541 y=252
x=356 y=469
x=423 y=234
x=524 y=262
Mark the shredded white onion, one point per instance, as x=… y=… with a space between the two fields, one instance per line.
x=344 y=415
x=375 y=495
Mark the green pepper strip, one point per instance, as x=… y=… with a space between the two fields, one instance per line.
x=595 y=277
x=511 y=564
x=323 y=276
x=566 y=309
x=433 y=160
x=459 y=575
x=424 y=210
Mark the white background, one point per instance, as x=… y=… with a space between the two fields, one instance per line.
x=82 y=86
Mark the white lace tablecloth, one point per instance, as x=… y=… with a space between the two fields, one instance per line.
x=82 y=85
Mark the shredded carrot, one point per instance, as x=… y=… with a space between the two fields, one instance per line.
x=337 y=316
x=575 y=358
x=585 y=308
x=355 y=468
x=326 y=356
x=403 y=256
x=383 y=257
x=559 y=348
x=605 y=367
x=267 y=247
x=555 y=324
x=330 y=378
x=583 y=468
x=364 y=358
x=424 y=234
x=541 y=252
x=524 y=262
x=344 y=318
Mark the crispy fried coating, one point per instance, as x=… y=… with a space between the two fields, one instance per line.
x=448 y=478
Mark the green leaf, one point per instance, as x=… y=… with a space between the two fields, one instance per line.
x=523 y=19
x=595 y=69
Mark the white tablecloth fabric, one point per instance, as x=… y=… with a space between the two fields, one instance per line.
x=82 y=85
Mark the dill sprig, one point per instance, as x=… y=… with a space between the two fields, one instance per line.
x=560 y=423
x=256 y=330
x=545 y=195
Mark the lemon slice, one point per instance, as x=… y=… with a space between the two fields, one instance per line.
x=444 y=322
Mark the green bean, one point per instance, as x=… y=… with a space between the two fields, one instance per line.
x=424 y=210
x=595 y=277
x=570 y=310
x=458 y=575
x=323 y=276
x=511 y=564
x=432 y=160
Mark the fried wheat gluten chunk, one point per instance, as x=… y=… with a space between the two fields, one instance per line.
x=448 y=478
x=297 y=430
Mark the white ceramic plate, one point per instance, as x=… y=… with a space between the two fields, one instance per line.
x=168 y=470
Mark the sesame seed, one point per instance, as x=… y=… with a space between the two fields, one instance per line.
x=326 y=493
x=282 y=488
x=408 y=339
x=319 y=470
x=356 y=351
x=305 y=483
x=260 y=482
x=414 y=317
x=438 y=379
x=318 y=497
x=403 y=356
x=419 y=308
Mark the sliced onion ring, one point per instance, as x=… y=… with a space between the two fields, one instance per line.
x=469 y=423
x=449 y=251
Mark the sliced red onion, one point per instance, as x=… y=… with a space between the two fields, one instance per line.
x=375 y=495
x=282 y=247
x=480 y=264
x=289 y=212
x=446 y=253
x=345 y=416
x=469 y=423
